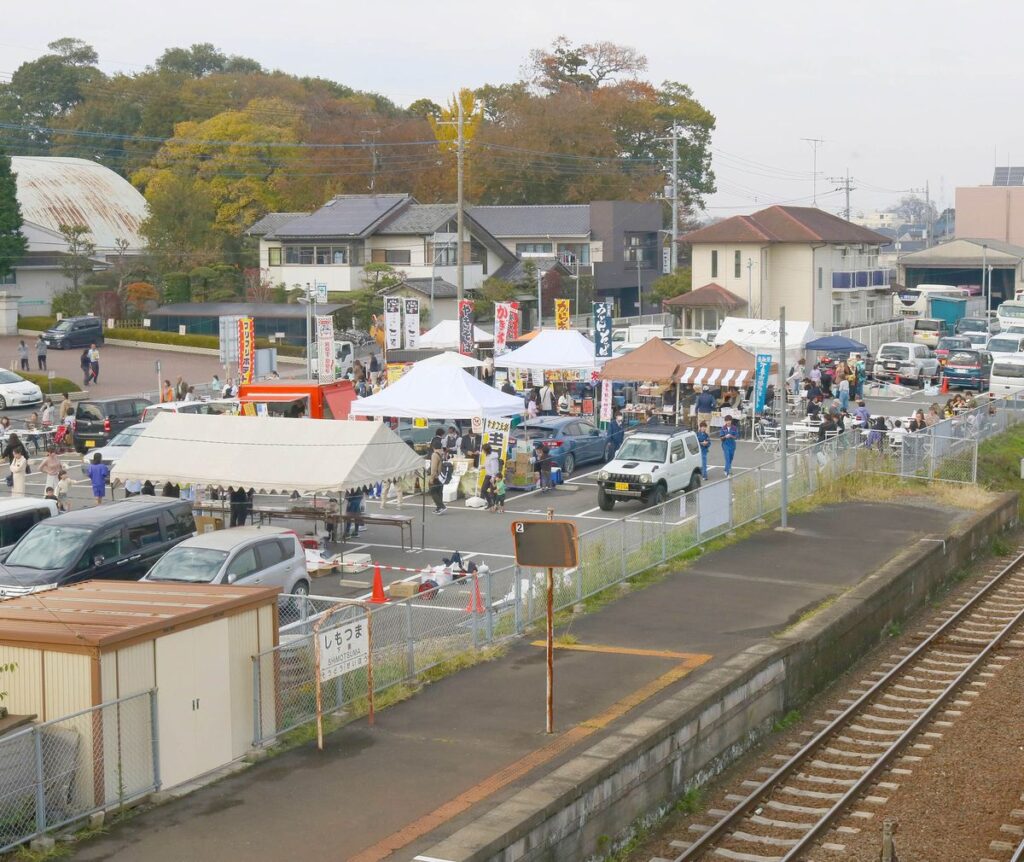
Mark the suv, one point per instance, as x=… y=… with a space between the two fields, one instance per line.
x=245 y=556
x=968 y=369
x=651 y=464
x=74 y=332
x=928 y=331
x=913 y=362
x=97 y=421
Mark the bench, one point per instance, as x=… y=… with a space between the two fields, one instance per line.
x=400 y=521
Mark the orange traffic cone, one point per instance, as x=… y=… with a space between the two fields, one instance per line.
x=945 y=384
x=476 y=604
x=896 y=379
x=378 y=597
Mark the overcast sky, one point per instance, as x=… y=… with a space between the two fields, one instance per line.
x=901 y=92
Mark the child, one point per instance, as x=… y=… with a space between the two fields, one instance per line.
x=499 y=489
x=704 y=441
x=63 y=486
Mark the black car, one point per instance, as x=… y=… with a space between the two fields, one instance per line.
x=98 y=420
x=116 y=541
x=74 y=332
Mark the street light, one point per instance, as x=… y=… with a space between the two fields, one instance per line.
x=568 y=257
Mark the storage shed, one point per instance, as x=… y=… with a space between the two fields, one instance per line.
x=90 y=643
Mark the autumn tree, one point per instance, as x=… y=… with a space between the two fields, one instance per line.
x=585 y=67
x=13 y=244
x=140 y=297
x=78 y=258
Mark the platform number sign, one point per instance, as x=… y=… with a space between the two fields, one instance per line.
x=343 y=648
x=546 y=544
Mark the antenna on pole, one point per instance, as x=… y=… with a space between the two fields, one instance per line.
x=815 y=143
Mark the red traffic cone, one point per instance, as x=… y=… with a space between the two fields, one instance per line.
x=476 y=604
x=378 y=597
x=945 y=384
x=897 y=379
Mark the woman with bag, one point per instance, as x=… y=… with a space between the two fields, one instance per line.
x=19 y=467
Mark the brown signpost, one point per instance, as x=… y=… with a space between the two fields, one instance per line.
x=548 y=545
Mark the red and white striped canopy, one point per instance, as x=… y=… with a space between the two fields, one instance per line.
x=728 y=365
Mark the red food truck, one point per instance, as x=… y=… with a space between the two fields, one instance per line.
x=297 y=398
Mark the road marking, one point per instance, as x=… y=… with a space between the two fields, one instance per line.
x=433 y=550
x=524 y=765
x=649 y=653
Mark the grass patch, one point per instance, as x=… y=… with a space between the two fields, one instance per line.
x=27 y=854
x=691 y=802
x=787 y=721
x=894 y=629
x=39 y=324
x=878 y=488
x=57 y=386
x=999 y=462
x=567 y=639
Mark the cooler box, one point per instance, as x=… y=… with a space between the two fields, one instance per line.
x=556 y=475
x=450 y=492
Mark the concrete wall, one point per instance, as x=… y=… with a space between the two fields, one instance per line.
x=636 y=774
x=991 y=212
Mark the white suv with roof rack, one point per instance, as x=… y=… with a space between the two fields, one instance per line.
x=911 y=363
x=651 y=464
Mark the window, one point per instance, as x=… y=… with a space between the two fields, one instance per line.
x=14 y=527
x=9 y=278
x=737 y=265
x=243 y=564
x=144 y=533
x=677 y=446
x=307 y=255
x=88 y=412
x=391 y=255
x=178 y=522
x=571 y=252
x=821 y=277
x=692 y=445
x=110 y=546
x=640 y=248
x=274 y=256
x=714 y=263
x=270 y=554
x=837 y=314
x=442 y=254
x=533 y=248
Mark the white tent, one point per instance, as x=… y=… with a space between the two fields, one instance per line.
x=438 y=392
x=553 y=350
x=445 y=336
x=452 y=359
x=266 y=453
x=762 y=336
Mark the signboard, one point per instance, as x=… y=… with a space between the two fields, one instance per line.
x=392 y=322
x=502 y=319
x=545 y=544
x=229 y=339
x=496 y=432
x=762 y=370
x=395 y=370
x=561 y=314
x=412 y=324
x=325 y=367
x=666 y=261
x=246 y=350
x=513 y=322
x=606 y=401
x=465 y=327
x=321 y=293
x=602 y=330
x=343 y=648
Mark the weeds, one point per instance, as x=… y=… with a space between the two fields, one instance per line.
x=691 y=802
x=787 y=721
x=894 y=629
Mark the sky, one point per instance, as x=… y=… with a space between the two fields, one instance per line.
x=902 y=94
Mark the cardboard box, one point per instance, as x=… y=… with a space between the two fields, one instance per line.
x=208 y=523
x=403 y=589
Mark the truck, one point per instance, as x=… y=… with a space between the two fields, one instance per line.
x=631 y=337
x=344 y=354
x=948 y=309
x=297 y=398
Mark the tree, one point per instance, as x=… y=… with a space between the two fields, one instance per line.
x=445 y=123
x=13 y=244
x=176 y=287
x=586 y=67
x=179 y=228
x=671 y=285
x=258 y=286
x=425 y=108
x=196 y=62
x=491 y=291
x=915 y=210
x=366 y=305
x=77 y=261
x=140 y=297
x=380 y=276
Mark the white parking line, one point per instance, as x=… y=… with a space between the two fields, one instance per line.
x=437 y=550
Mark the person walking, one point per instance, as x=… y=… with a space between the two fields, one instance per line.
x=705 y=404
x=19 y=467
x=730 y=433
x=51 y=468
x=437 y=483
x=167 y=393
x=99 y=475
x=86 y=366
x=23 y=355
x=180 y=388
x=547 y=400
x=844 y=392
x=41 y=352
x=94 y=363
x=704 y=442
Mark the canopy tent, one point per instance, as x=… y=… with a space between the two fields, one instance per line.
x=835 y=342
x=693 y=347
x=729 y=365
x=438 y=392
x=553 y=350
x=654 y=360
x=448 y=358
x=762 y=336
x=445 y=336
x=266 y=453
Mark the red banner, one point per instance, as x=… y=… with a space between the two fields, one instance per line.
x=513 y=322
x=246 y=350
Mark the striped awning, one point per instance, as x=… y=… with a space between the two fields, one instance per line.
x=728 y=365
x=710 y=376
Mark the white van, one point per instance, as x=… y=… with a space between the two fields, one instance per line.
x=18 y=515
x=1007 y=378
x=1006 y=346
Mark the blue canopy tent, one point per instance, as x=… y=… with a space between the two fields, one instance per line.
x=835 y=342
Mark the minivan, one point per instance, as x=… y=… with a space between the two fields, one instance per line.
x=18 y=515
x=1004 y=346
x=98 y=420
x=928 y=331
x=74 y=332
x=968 y=369
x=119 y=541
x=1007 y=378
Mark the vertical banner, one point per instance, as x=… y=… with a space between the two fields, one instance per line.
x=502 y=314
x=412 y=324
x=246 y=350
x=497 y=433
x=561 y=314
x=466 y=327
x=602 y=330
x=763 y=368
x=392 y=322
x=606 y=401
x=325 y=367
x=513 y=322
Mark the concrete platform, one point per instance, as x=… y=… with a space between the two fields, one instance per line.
x=437 y=761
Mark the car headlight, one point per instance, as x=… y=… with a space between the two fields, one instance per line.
x=645 y=479
x=602 y=475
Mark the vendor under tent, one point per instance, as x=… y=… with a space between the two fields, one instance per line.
x=438 y=392
x=445 y=336
x=553 y=350
x=693 y=347
x=658 y=366
x=727 y=366
x=836 y=342
x=448 y=358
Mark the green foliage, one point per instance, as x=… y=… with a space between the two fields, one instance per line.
x=787 y=721
x=77 y=261
x=491 y=291
x=365 y=304
x=36 y=323
x=671 y=285
x=204 y=59
x=894 y=629
x=692 y=802
x=10 y=667
x=57 y=386
x=155 y=336
x=177 y=287
x=378 y=276
x=13 y=244
x=69 y=302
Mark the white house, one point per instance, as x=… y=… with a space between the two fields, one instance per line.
x=821 y=268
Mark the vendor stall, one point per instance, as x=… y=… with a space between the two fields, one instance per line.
x=297 y=398
x=762 y=336
x=657 y=366
x=438 y=392
x=730 y=366
x=445 y=336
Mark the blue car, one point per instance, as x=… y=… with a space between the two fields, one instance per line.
x=968 y=369
x=571 y=441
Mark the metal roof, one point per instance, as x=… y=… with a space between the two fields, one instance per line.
x=515 y=270
x=419 y=219
x=55 y=190
x=342 y=216
x=442 y=289
x=245 y=309
x=541 y=220
x=271 y=222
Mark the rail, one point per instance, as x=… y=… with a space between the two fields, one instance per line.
x=725 y=825
x=1018 y=854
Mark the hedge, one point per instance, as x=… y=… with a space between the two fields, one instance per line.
x=57 y=386
x=40 y=323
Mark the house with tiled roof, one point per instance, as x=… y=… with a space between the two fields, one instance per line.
x=822 y=268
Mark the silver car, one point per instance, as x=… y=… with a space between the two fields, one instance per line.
x=246 y=556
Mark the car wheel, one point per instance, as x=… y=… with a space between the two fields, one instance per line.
x=3 y=403
x=568 y=464
x=301 y=589
x=656 y=497
x=694 y=481
x=604 y=502
x=609 y=452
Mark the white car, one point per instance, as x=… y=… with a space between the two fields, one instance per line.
x=913 y=363
x=1006 y=346
x=245 y=556
x=16 y=391
x=215 y=406
x=650 y=465
x=115 y=449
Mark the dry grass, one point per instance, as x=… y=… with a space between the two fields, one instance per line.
x=876 y=488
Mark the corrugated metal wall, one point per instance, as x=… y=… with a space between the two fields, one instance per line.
x=24 y=685
x=244 y=640
x=268 y=674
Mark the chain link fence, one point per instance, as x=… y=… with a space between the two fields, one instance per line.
x=57 y=772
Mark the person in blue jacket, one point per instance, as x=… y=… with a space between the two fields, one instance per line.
x=704 y=441
x=730 y=433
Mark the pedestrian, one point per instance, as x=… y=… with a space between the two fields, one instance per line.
x=99 y=475
x=132 y=488
x=180 y=388
x=63 y=487
x=705 y=406
x=62 y=408
x=51 y=494
x=470 y=444
x=51 y=468
x=374 y=364
x=167 y=393
x=94 y=363
x=499 y=488
x=86 y=366
x=616 y=432
x=47 y=417
x=547 y=400
x=704 y=442
x=531 y=405
x=23 y=355
x=451 y=440
x=41 y=352
x=508 y=388
x=190 y=395
x=354 y=512
x=13 y=447
x=542 y=466
x=730 y=433
x=491 y=460
x=19 y=467
x=844 y=392
x=215 y=386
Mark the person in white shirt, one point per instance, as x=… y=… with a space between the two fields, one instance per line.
x=547 y=400
x=563 y=404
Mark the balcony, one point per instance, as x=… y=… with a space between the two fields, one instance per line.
x=861 y=279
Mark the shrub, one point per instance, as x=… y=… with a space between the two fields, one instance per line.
x=36 y=323
x=57 y=386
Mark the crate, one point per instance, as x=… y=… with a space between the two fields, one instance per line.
x=353 y=564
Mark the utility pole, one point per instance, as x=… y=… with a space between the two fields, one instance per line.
x=460 y=255
x=374 y=157
x=675 y=201
x=750 y=287
x=844 y=184
x=783 y=437
x=815 y=143
x=927 y=216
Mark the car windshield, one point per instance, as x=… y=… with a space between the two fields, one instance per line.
x=127 y=437
x=969 y=324
x=1008 y=369
x=63 y=326
x=1008 y=310
x=927 y=325
x=640 y=449
x=952 y=343
x=192 y=565
x=49 y=546
x=964 y=358
x=10 y=377
x=894 y=352
x=1004 y=345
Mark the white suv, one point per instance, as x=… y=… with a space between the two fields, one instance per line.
x=909 y=362
x=650 y=465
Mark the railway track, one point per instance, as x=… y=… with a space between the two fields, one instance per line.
x=853 y=761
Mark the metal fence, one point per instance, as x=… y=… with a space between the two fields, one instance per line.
x=874 y=335
x=57 y=772
x=413 y=635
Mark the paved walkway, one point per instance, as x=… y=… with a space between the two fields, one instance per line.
x=434 y=762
